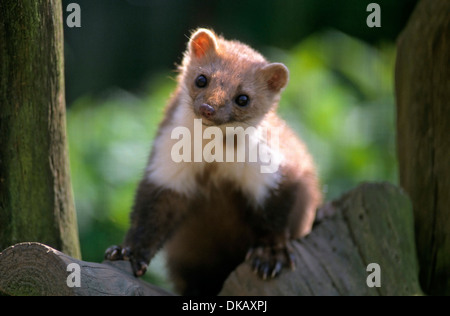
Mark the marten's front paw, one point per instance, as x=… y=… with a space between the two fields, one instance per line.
x=138 y=263
x=268 y=261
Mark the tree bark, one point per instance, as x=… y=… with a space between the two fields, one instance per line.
x=36 y=202
x=371 y=224
x=423 y=136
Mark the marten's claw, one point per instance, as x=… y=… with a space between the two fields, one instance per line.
x=249 y=254
x=276 y=270
x=267 y=262
x=114 y=253
x=139 y=268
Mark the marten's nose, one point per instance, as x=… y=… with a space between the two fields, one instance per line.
x=207 y=111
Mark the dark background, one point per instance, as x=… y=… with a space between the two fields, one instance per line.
x=122 y=42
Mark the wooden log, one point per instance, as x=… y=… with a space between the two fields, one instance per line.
x=422 y=81
x=371 y=224
x=36 y=269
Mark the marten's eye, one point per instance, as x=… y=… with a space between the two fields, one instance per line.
x=242 y=100
x=201 y=81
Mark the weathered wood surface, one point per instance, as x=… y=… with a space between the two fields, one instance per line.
x=371 y=224
x=423 y=135
x=36 y=269
x=36 y=202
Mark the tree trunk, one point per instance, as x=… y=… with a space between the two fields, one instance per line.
x=423 y=136
x=371 y=224
x=36 y=202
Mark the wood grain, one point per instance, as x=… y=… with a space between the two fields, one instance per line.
x=370 y=224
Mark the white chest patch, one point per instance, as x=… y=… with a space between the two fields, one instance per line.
x=185 y=149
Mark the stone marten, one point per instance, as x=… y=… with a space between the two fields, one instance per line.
x=208 y=203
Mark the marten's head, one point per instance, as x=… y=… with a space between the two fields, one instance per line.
x=228 y=82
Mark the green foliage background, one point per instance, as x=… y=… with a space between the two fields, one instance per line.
x=339 y=100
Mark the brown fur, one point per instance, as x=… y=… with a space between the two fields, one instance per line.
x=208 y=229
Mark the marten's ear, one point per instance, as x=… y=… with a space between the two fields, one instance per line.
x=276 y=76
x=202 y=42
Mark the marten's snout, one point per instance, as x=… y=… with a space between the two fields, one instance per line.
x=207 y=111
